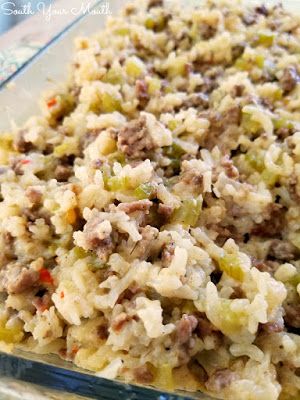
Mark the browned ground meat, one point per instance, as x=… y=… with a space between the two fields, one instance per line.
x=103 y=246
x=119 y=321
x=20 y=144
x=192 y=177
x=141 y=90
x=219 y=124
x=42 y=303
x=205 y=327
x=142 y=374
x=237 y=91
x=140 y=205
x=143 y=248
x=220 y=379
x=34 y=195
x=165 y=211
x=102 y=332
x=230 y=169
x=264 y=266
x=134 y=139
x=26 y=279
x=292 y=315
x=237 y=293
x=262 y=9
x=199 y=100
x=155 y=3
x=282 y=250
x=185 y=328
x=276 y=326
x=62 y=173
x=167 y=254
x=289 y=79
x=273 y=225
x=207 y=31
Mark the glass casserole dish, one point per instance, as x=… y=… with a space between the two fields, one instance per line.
x=48 y=371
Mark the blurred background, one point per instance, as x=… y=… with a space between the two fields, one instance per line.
x=8 y=21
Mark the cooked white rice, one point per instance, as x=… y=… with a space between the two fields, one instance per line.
x=149 y=219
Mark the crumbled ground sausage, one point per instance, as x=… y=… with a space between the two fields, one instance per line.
x=42 y=303
x=282 y=250
x=142 y=374
x=20 y=144
x=102 y=332
x=205 y=327
x=192 y=177
x=292 y=315
x=118 y=323
x=276 y=326
x=134 y=139
x=165 y=211
x=230 y=169
x=219 y=380
x=264 y=266
x=26 y=279
x=155 y=3
x=62 y=173
x=262 y=9
x=101 y=244
x=34 y=195
x=143 y=248
x=289 y=79
x=198 y=100
x=140 y=205
x=141 y=90
x=167 y=254
x=273 y=225
x=185 y=328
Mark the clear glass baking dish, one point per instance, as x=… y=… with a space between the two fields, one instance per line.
x=30 y=376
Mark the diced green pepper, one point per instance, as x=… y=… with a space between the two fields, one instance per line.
x=135 y=67
x=265 y=38
x=95 y=263
x=153 y=85
x=145 y=191
x=173 y=124
x=247 y=64
x=188 y=213
x=79 y=252
x=281 y=122
x=118 y=184
x=113 y=77
x=231 y=321
x=231 y=265
x=255 y=160
x=174 y=151
x=122 y=31
x=10 y=335
x=117 y=156
x=250 y=126
x=109 y=103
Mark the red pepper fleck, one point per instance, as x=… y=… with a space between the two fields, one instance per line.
x=52 y=102
x=62 y=295
x=25 y=161
x=75 y=350
x=45 y=276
